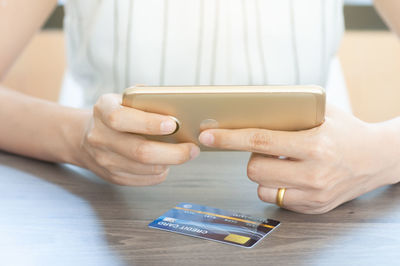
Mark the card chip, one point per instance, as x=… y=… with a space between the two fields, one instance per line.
x=237 y=238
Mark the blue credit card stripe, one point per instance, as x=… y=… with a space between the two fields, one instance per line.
x=225 y=217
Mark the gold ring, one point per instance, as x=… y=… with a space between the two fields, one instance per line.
x=279 y=196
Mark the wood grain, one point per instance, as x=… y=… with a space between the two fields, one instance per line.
x=63 y=215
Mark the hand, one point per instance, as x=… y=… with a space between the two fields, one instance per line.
x=321 y=168
x=111 y=149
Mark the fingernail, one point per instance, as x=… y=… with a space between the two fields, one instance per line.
x=168 y=126
x=206 y=138
x=194 y=152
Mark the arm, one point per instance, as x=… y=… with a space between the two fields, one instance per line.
x=390 y=11
x=19 y=21
x=38 y=128
x=100 y=140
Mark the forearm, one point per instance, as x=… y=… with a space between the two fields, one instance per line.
x=38 y=128
x=390 y=11
x=19 y=21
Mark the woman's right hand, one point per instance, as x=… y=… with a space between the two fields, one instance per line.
x=112 y=150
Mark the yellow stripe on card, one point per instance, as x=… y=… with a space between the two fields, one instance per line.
x=237 y=239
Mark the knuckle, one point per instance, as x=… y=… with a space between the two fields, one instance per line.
x=155 y=179
x=320 y=179
x=98 y=107
x=320 y=200
x=259 y=141
x=318 y=182
x=183 y=155
x=322 y=148
x=93 y=138
x=159 y=169
x=253 y=170
x=150 y=125
x=315 y=151
x=102 y=160
x=142 y=153
x=160 y=178
x=113 y=119
x=261 y=195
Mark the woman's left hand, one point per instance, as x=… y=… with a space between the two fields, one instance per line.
x=320 y=168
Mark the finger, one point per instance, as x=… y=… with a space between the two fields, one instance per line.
x=126 y=119
x=128 y=179
x=293 y=199
x=303 y=201
x=137 y=168
x=151 y=152
x=275 y=172
x=278 y=143
x=116 y=163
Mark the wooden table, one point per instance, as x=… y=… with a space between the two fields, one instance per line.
x=63 y=215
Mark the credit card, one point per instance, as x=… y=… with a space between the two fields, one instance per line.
x=215 y=224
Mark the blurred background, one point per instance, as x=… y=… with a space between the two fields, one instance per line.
x=369 y=54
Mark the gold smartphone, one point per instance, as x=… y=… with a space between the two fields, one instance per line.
x=195 y=108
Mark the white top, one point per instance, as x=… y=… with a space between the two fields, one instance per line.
x=112 y=44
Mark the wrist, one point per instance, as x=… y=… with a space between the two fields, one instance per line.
x=73 y=132
x=387 y=150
